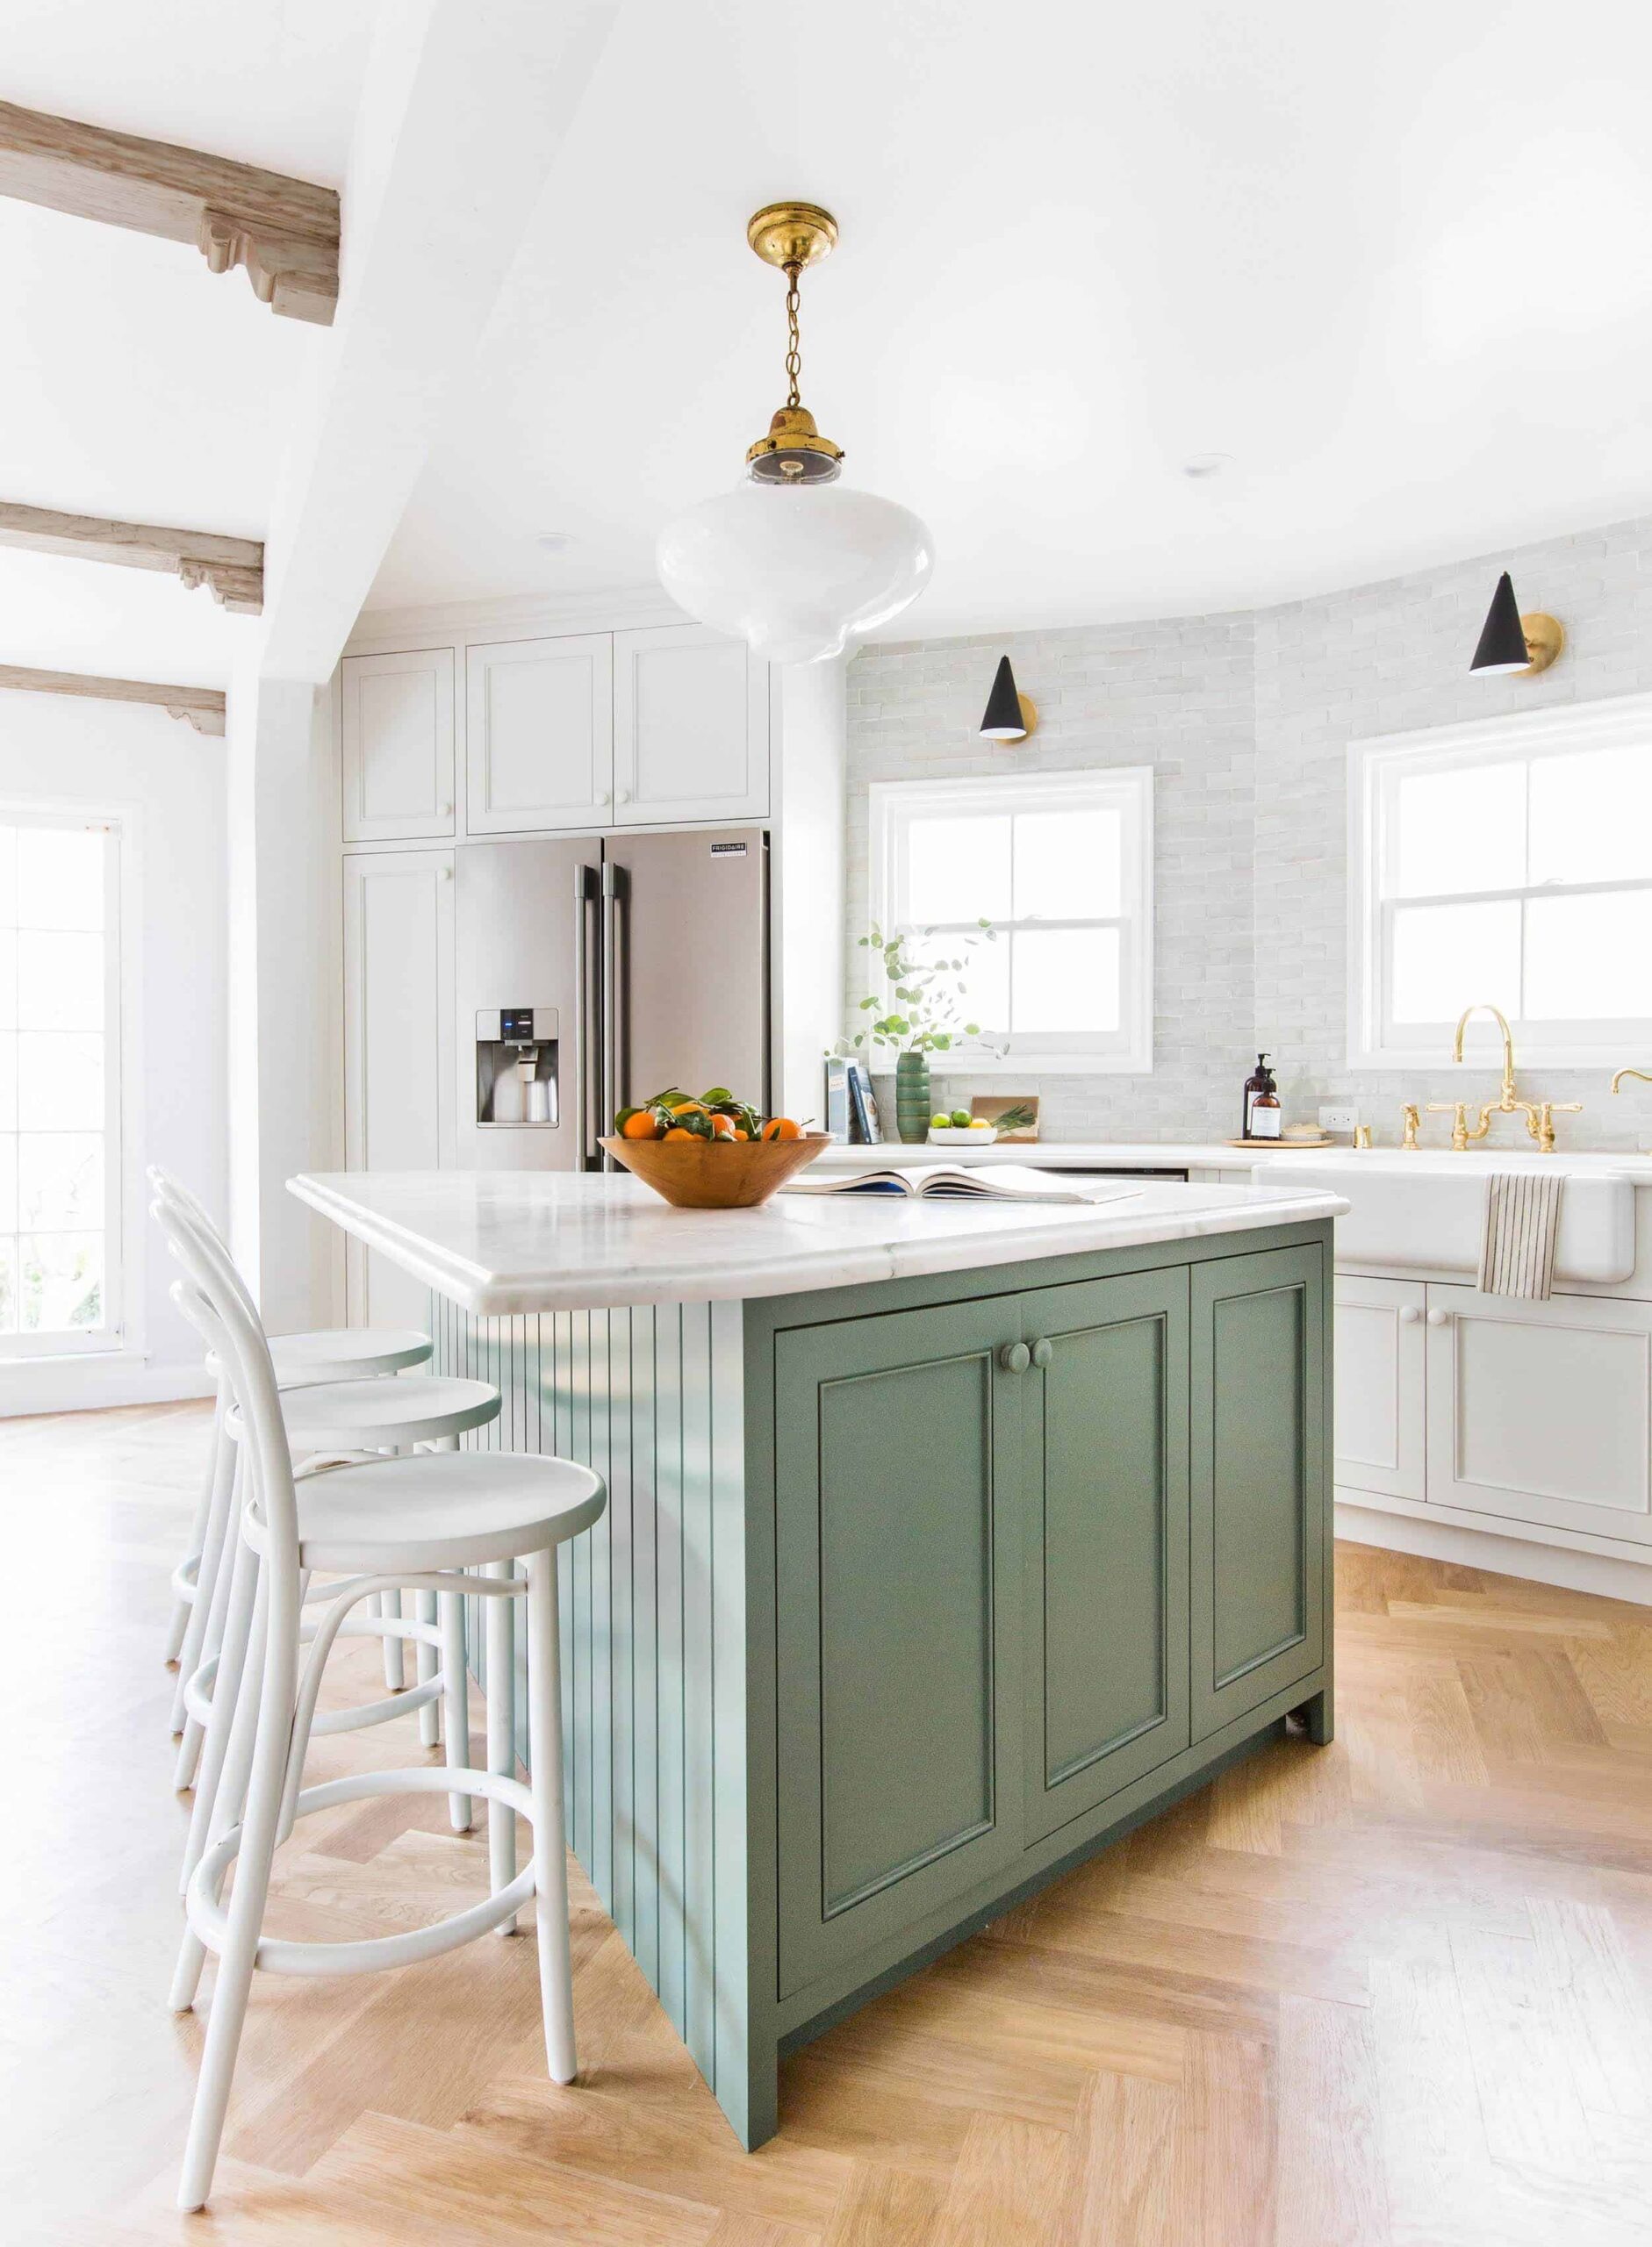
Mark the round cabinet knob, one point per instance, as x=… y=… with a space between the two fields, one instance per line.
x=1042 y=1353
x=625 y=796
x=1409 y=1315
x=1015 y=1357
x=604 y=798
x=447 y=811
x=1439 y=1318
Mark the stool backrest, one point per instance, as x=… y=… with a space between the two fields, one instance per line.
x=243 y=1350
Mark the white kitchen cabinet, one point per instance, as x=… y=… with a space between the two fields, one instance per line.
x=691 y=728
x=1380 y=1386
x=539 y=735
x=1542 y=1413
x=399 y=1080
x=397 y=746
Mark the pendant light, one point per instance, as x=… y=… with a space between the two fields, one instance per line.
x=1009 y=715
x=1512 y=645
x=788 y=560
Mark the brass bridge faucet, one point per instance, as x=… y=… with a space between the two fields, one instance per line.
x=1540 y=1115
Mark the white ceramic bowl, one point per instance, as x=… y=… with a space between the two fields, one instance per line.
x=956 y=1136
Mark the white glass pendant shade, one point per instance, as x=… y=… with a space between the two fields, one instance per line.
x=796 y=573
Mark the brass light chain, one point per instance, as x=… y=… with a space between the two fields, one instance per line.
x=794 y=349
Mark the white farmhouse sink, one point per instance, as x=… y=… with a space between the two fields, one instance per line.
x=1423 y=1212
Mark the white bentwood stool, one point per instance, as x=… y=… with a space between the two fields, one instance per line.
x=325 y=1354
x=410 y=1523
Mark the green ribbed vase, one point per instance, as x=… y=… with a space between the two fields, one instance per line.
x=912 y=1098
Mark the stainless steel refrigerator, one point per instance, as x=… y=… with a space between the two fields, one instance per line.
x=595 y=970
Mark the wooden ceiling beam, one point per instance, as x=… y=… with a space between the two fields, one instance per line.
x=285 y=232
x=202 y=707
x=233 y=568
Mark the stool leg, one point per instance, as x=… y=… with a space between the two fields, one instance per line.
x=243 y=1571
x=240 y=1953
x=429 y=1661
x=550 y=1854
x=212 y=1550
x=501 y=1728
x=455 y=1702
x=395 y=1673
x=232 y=1789
x=216 y=1601
x=198 y=1542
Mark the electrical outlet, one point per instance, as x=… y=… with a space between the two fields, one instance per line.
x=1340 y=1119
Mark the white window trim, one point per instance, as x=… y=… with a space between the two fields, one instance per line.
x=1048 y=792
x=122 y=1342
x=1623 y=721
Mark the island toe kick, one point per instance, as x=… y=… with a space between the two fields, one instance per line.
x=910 y=1595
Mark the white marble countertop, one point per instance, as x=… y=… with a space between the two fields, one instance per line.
x=512 y=1241
x=1273 y=1163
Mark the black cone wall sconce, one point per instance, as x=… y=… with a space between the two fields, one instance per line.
x=1009 y=716
x=1512 y=645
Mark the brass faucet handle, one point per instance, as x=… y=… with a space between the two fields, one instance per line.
x=1542 y=1123
x=1411 y=1120
x=1458 y=1111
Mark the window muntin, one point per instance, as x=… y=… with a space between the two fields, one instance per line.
x=1061 y=864
x=1508 y=862
x=60 y=1107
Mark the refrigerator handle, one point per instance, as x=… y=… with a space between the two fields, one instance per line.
x=583 y=1084
x=612 y=1048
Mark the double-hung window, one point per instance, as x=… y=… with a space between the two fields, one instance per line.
x=60 y=1083
x=1061 y=865
x=1508 y=861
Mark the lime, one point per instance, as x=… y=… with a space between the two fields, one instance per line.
x=940 y=1123
x=960 y=1119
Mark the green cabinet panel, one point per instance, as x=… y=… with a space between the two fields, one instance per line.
x=1259 y=1454
x=1105 y=1473
x=896 y=1448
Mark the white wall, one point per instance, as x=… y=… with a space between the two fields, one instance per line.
x=171 y=779
x=1246 y=719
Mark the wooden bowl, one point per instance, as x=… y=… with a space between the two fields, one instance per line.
x=716 y=1174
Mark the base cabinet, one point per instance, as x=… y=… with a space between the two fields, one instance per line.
x=1028 y=1550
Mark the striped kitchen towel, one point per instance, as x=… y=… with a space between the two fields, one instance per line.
x=1517 y=1238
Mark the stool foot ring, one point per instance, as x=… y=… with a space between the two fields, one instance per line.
x=209 y=1919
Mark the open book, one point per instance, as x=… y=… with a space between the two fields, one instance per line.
x=938 y=1181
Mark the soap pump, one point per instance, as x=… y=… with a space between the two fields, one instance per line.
x=1263 y=1117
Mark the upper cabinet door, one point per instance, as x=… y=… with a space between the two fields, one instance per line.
x=691 y=728
x=397 y=746
x=539 y=735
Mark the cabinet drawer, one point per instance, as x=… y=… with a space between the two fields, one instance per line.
x=1258 y=1424
x=1105 y=1470
x=1381 y=1388
x=896 y=1446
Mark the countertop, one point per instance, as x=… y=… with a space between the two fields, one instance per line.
x=499 y=1243
x=1273 y=1164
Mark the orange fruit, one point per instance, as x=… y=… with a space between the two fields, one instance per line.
x=640 y=1126
x=678 y=1132
x=781 y=1127
x=722 y=1127
x=739 y=1134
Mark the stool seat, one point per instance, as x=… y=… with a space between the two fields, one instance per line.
x=366 y=1415
x=443 y=1509
x=342 y=1353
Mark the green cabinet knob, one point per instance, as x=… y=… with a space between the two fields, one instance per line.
x=1043 y=1352
x=1015 y=1357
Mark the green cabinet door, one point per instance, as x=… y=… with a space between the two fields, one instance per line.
x=1105 y=1474
x=1258 y=1416
x=897 y=1677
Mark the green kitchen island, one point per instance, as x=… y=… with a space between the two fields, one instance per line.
x=946 y=1542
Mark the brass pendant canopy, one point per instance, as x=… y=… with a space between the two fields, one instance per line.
x=791 y=235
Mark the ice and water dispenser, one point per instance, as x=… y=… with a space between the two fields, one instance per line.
x=516 y=1067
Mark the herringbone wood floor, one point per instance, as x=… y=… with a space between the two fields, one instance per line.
x=1397 y=1991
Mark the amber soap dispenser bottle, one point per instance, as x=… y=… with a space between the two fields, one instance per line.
x=1262 y=1114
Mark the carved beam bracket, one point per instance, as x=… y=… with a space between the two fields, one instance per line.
x=284 y=232
x=204 y=708
x=232 y=568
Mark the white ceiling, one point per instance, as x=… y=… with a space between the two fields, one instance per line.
x=1393 y=261
x=132 y=382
